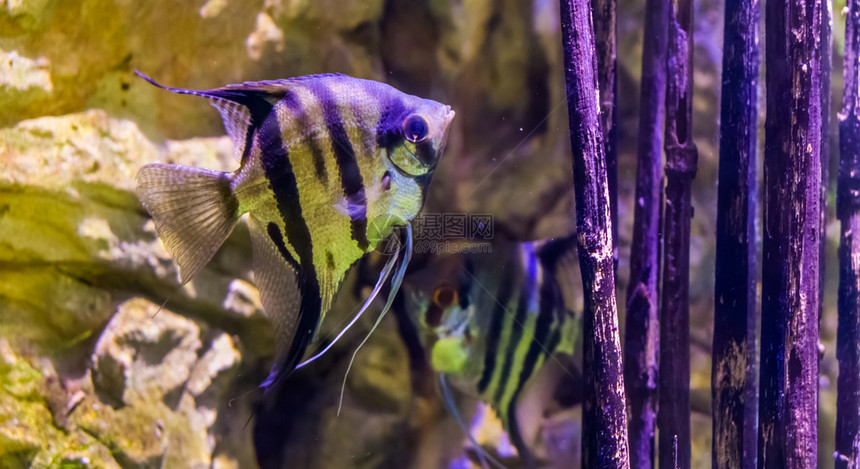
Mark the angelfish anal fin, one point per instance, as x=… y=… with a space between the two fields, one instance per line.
x=279 y=289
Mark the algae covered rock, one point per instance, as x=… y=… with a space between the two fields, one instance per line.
x=163 y=421
x=29 y=433
x=93 y=374
x=151 y=373
x=75 y=237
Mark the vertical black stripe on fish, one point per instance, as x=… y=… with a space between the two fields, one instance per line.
x=513 y=426
x=344 y=154
x=465 y=283
x=552 y=343
x=249 y=141
x=542 y=340
x=513 y=343
x=423 y=181
x=293 y=103
x=541 y=337
x=538 y=344
x=258 y=107
x=424 y=152
x=277 y=238
x=257 y=101
x=498 y=314
x=282 y=181
x=389 y=131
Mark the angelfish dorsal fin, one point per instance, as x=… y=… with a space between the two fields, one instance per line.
x=557 y=255
x=242 y=106
x=237 y=122
x=280 y=294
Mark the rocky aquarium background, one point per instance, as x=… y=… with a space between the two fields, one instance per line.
x=93 y=375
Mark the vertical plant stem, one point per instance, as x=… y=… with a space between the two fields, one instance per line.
x=642 y=334
x=848 y=210
x=792 y=216
x=604 y=417
x=605 y=40
x=734 y=372
x=826 y=65
x=673 y=417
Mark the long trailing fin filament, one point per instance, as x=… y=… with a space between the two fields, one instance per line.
x=395 y=287
x=383 y=276
x=448 y=399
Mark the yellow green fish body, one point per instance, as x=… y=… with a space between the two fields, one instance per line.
x=329 y=166
x=491 y=321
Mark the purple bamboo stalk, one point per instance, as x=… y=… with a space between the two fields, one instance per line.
x=734 y=372
x=605 y=40
x=604 y=419
x=673 y=417
x=642 y=334
x=826 y=65
x=848 y=210
x=790 y=271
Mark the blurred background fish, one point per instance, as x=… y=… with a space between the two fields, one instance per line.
x=492 y=322
x=329 y=166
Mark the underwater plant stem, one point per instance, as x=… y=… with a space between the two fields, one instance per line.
x=848 y=211
x=673 y=417
x=826 y=66
x=642 y=334
x=790 y=262
x=605 y=40
x=604 y=418
x=734 y=371
x=826 y=35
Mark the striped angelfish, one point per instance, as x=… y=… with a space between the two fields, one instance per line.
x=329 y=165
x=492 y=321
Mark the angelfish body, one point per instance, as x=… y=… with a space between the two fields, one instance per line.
x=329 y=166
x=492 y=321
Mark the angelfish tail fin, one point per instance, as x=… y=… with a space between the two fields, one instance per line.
x=194 y=211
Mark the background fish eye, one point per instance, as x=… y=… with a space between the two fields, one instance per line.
x=415 y=128
x=444 y=296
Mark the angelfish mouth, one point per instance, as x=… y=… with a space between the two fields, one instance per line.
x=449 y=115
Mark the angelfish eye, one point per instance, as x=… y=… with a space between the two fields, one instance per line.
x=415 y=128
x=444 y=296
